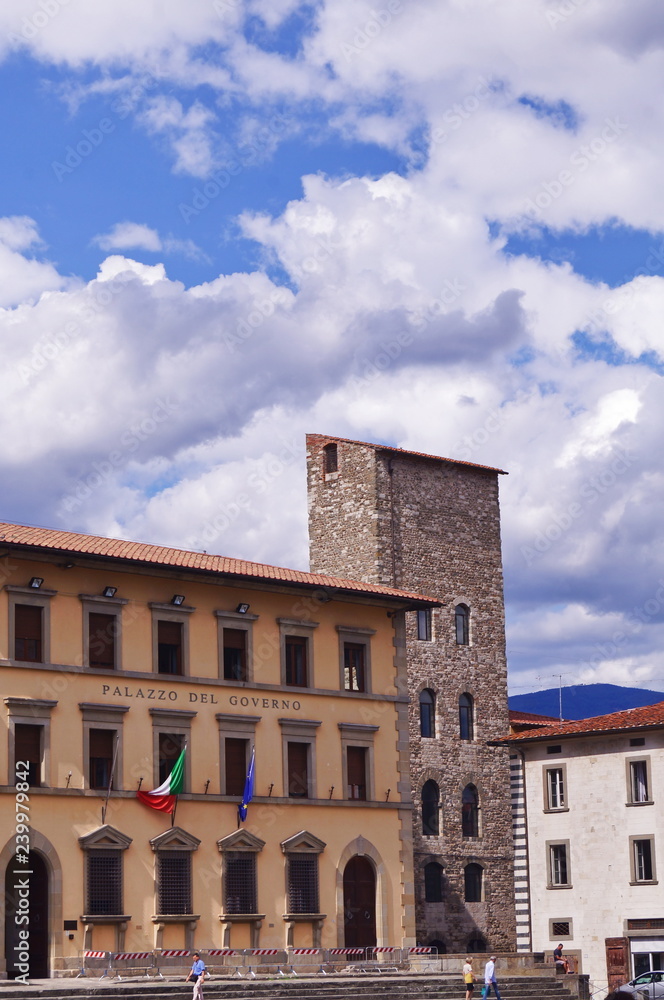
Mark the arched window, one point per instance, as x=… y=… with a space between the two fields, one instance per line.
x=466 y=717
x=433 y=882
x=470 y=812
x=472 y=880
x=330 y=458
x=462 y=624
x=427 y=713
x=476 y=945
x=430 y=799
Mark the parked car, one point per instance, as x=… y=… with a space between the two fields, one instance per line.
x=648 y=985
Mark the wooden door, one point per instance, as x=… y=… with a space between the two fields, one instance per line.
x=359 y=904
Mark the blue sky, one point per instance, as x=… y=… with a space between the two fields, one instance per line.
x=217 y=216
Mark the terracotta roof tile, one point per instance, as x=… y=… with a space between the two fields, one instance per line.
x=403 y=451
x=73 y=543
x=518 y=718
x=632 y=718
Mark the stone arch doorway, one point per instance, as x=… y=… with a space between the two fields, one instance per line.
x=359 y=884
x=27 y=895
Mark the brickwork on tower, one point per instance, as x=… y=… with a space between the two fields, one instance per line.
x=383 y=515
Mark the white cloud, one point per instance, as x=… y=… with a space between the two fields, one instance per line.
x=129 y=235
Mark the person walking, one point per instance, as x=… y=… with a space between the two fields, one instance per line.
x=198 y=974
x=490 y=979
x=469 y=978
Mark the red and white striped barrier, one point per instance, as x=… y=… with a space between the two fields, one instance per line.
x=126 y=956
x=216 y=952
x=90 y=955
x=420 y=951
x=345 y=951
x=305 y=951
x=262 y=951
x=175 y=953
x=95 y=954
x=382 y=950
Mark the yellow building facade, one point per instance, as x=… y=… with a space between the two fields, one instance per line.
x=114 y=657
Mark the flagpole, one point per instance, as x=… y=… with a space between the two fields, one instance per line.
x=110 y=779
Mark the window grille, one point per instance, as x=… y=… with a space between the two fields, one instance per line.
x=560 y=928
x=174 y=881
x=296 y=661
x=101 y=645
x=235 y=654
x=433 y=882
x=303 y=883
x=240 y=890
x=104 y=882
x=28 y=633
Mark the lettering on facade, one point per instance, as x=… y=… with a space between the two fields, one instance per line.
x=200 y=697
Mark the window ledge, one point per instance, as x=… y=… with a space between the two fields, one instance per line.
x=175 y=918
x=568 y=885
x=104 y=918
x=240 y=918
x=648 y=802
x=646 y=881
x=563 y=809
x=303 y=917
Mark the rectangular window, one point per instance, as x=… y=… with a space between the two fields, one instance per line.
x=102 y=630
x=424 y=625
x=354 y=666
x=174 y=882
x=28 y=633
x=638 y=781
x=170 y=748
x=235 y=654
x=102 y=745
x=303 y=883
x=356 y=758
x=296 y=648
x=29 y=746
x=643 y=860
x=558 y=865
x=555 y=788
x=298 y=770
x=104 y=882
x=169 y=647
x=240 y=886
x=235 y=759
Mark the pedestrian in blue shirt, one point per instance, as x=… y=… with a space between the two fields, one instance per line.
x=198 y=975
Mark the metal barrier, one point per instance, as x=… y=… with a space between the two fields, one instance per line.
x=339 y=958
x=127 y=960
x=305 y=953
x=259 y=953
x=164 y=959
x=102 y=960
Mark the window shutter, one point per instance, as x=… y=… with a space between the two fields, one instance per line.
x=298 y=783
x=356 y=760
x=28 y=633
x=236 y=768
x=101 y=652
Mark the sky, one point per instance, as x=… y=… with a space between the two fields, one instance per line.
x=434 y=224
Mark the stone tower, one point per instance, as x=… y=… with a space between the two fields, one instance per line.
x=432 y=525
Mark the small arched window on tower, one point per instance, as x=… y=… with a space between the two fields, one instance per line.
x=470 y=812
x=330 y=459
x=466 y=729
x=427 y=713
x=430 y=800
x=433 y=882
x=462 y=624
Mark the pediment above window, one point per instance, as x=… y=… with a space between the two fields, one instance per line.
x=105 y=838
x=175 y=839
x=241 y=840
x=304 y=842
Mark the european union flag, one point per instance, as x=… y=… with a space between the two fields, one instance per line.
x=248 y=793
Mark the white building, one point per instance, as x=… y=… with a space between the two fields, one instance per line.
x=589 y=797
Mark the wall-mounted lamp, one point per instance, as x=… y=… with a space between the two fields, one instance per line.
x=36 y=582
x=242 y=609
x=109 y=591
x=177 y=599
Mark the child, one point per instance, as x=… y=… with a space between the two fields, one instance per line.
x=469 y=978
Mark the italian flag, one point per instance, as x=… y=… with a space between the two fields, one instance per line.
x=164 y=797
